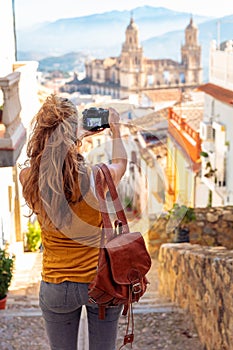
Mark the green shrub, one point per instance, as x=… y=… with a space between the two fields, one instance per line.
x=33 y=236
x=6 y=271
x=128 y=202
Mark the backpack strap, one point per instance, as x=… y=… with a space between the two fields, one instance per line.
x=122 y=224
x=122 y=220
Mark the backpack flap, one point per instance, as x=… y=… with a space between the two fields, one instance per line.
x=128 y=257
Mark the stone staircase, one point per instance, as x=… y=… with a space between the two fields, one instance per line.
x=24 y=290
x=153 y=313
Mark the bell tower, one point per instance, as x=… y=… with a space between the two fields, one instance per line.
x=191 y=55
x=131 y=66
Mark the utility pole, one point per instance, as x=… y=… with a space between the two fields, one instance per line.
x=14 y=27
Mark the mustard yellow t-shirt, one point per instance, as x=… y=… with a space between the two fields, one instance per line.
x=72 y=254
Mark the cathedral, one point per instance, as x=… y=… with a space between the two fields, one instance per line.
x=132 y=72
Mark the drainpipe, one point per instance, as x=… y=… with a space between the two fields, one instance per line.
x=195 y=190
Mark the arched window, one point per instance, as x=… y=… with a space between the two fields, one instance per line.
x=150 y=80
x=182 y=78
x=166 y=76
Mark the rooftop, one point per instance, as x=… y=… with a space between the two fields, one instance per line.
x=163 y=95
x=219 y=93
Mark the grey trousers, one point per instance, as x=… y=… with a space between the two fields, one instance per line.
x=61 y=306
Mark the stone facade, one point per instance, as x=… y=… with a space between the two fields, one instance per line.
x=12 y=131
x=200 y=279
x=212 y=227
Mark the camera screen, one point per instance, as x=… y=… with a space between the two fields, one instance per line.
x=91 y=122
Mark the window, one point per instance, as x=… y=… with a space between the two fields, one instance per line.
x=150 y=80
x=134 y=157
x=166 y=77
x=182 y=78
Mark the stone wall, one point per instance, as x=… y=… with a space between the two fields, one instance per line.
x=200 y=279
x=212 y=227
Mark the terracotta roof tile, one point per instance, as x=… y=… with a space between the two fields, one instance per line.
x=219 y=93
x=152 y=119
x=163 y=95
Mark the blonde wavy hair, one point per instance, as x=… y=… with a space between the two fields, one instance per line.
x=57 y=175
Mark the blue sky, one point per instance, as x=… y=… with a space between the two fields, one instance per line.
x=29 y=12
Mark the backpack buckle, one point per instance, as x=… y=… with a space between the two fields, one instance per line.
x=136 y=288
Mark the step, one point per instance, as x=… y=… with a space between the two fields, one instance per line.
x=137 y=308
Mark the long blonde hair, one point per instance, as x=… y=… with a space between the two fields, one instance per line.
x=57 y=175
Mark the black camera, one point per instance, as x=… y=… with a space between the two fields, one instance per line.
x=95 y=119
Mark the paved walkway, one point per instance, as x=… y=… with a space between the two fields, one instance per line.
x=159 y=324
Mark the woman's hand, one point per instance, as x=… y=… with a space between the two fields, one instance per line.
x=114 y=119
x=119 y=155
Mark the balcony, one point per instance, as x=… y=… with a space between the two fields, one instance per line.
x=12 y=131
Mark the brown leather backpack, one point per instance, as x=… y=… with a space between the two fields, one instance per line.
x=123 y=259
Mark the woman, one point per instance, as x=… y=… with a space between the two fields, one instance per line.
x=59 y=188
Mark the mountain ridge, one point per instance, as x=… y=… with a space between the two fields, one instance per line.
x=161 y=34
x=77 y=33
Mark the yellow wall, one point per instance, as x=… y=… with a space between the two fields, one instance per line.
x=180 y=177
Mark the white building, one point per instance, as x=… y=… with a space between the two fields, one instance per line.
x=19 y=101
x=144 y=132
x=216 y=129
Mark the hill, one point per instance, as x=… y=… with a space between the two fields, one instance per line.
x=71 y=61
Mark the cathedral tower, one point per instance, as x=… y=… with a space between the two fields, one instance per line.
x=191 y=55
x=131 y=66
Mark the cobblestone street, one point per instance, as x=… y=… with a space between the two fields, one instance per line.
x=159 y=324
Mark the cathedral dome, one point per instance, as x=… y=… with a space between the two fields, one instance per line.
x=132 y=25
x=191 y=25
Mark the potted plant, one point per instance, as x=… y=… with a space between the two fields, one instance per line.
x=6 y=274
x=179 y=216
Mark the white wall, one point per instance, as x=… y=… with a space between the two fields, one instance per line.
x=221 y=66
x=220 y=115
x=7 y=52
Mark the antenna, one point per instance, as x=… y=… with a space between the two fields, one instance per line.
x=218 y=34
x=219 y=30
